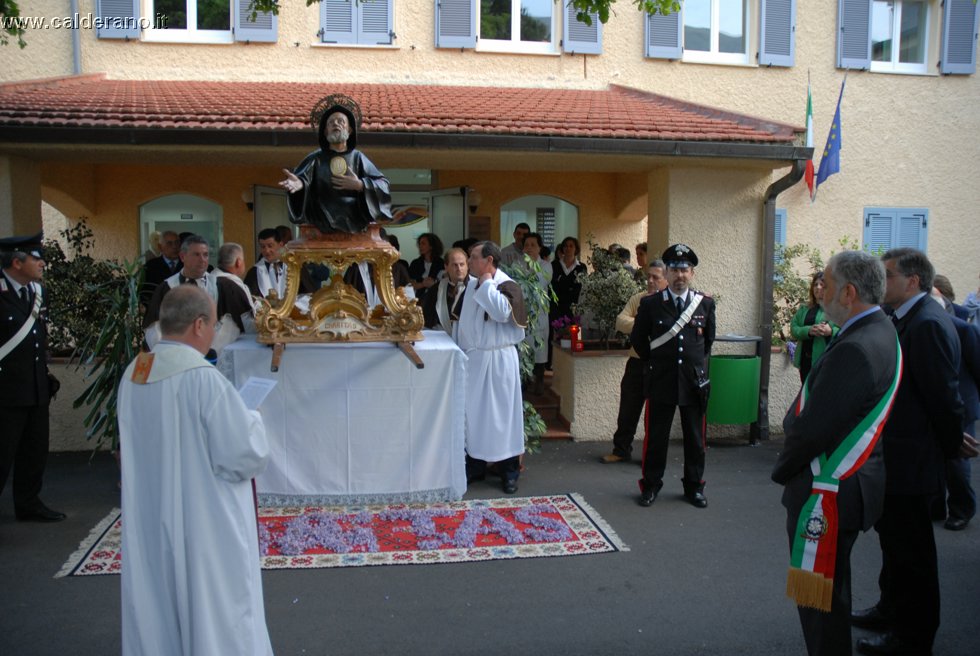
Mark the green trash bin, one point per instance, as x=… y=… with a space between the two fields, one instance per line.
x=734 y=395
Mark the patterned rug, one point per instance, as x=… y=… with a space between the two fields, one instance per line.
x=314 y=537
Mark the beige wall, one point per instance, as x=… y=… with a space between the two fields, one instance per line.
x=908 y=140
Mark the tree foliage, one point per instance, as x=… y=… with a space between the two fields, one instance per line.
x=605 y=290
x=584 y=8
x=11 y=28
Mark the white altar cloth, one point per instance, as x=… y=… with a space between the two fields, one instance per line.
x=358 y=423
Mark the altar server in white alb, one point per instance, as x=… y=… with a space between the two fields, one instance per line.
x=491 y=324
x=191 y=582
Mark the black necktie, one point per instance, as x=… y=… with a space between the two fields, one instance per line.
x=24 y=296
x=680 y=305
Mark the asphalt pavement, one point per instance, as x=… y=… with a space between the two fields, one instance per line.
x=694 y=581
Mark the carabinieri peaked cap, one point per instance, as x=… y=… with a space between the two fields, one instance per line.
x=32 y=245
x=680 y=256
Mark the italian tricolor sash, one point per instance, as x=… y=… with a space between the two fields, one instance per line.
x=811 y=573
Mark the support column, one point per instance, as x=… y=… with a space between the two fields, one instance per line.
x=20 y=196
x=658 y=211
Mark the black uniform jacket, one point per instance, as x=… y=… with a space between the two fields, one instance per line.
x=677 y=372
x=24 y=372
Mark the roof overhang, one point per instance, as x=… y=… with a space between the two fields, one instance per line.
x=95 y=119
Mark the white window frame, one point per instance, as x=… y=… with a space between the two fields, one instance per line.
x=189 y=35
x=713 y=56
x=515 y=45
x=894 y=66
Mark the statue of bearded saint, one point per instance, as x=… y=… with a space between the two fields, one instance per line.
x=336 y=188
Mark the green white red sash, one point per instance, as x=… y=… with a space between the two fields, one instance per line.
x=811 y=573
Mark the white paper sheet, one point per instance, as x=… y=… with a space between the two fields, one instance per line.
x=254 y=391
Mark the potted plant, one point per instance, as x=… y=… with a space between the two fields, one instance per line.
x=562 y=327
x=605 y=291
x=536 y=301
x=107 y=353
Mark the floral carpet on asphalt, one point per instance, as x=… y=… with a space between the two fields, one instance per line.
x=312 y=537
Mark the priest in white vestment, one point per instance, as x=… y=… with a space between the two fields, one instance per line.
x=491 y=324
x=191 y=582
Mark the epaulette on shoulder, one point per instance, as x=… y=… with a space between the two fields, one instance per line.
x=705 y=294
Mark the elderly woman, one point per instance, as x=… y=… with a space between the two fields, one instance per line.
x=811 y=329
x=539 y=331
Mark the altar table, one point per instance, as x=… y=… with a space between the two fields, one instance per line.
x=358 y=423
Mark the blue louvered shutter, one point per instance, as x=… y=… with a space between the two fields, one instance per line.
x=878 y=229
x=911 y=227
x=579 y=37
x=265 y=27
x=374 y=22
x=886 y=228
x=663 y=36
x=780 y=240
x=854 y=34
x=961 y=22
x=338 y=21
x=456 y=23
x=118 y=19
x=777 y=32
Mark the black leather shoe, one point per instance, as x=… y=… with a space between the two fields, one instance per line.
x=871 y=618
x=697 y=499
x=955 y=524
x=41 y=514
x=889 y=643
x=510 y=485
x=647 y=497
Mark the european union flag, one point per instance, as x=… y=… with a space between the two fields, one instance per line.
x=830 y=162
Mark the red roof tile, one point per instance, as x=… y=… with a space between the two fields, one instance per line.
x=614 y=112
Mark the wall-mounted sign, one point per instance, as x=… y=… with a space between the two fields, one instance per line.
x=546 y=226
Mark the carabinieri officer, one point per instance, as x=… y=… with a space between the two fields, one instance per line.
x=26 y=388
x=673 y=333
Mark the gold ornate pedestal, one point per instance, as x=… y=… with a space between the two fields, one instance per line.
x=339 y=312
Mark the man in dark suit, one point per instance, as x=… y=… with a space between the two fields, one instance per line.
x=26 y=388
x=924 y=430
x=158 y=269
x=673 y=333
x=962 y=501
x=837 y=417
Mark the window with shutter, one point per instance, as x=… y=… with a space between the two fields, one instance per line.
x=780 y=240
x=961 y=23
x=663 y=36
x=365 y=22
x=191 y=21
x=888 y=227
x=899 y=36
x=854 y=34
x=263 y=27
x=777 y=32
x=892 y=36
x=579 y=37
x=525 y=26
x=456 y=23
x=118 y=19
x=716 y=31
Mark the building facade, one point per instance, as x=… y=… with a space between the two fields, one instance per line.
x=650 y=128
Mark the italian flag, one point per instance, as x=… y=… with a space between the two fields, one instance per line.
x=808 y=176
